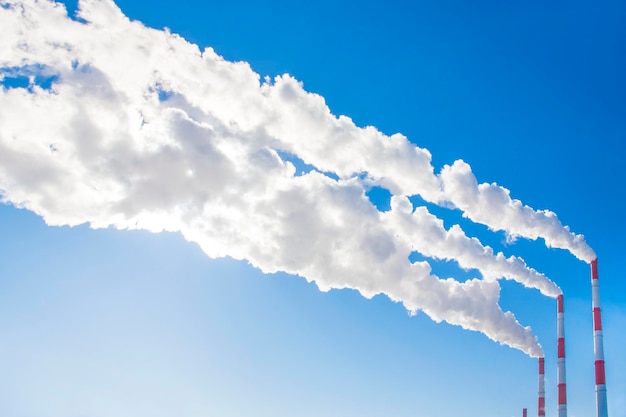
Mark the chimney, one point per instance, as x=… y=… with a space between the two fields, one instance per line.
x=541 y=406
x=562 y=397
x=524 y=412
x=598 y=349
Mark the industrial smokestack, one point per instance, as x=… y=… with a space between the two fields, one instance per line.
x=562 y=397
x=541 y=406
x=524 y=412
x=598 y=349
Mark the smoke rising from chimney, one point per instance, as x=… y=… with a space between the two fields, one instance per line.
x=139 y=129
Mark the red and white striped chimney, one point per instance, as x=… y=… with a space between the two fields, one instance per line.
x=560 y=330
x=541 y=406
x=524 y=412
x=598 y=349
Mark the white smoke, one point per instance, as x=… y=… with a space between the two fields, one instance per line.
x=141 y=129
x=491 y=205
x=426 y=234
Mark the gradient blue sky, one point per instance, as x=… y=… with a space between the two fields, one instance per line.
x=118 y=323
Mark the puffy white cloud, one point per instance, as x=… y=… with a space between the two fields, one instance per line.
x=141 y=129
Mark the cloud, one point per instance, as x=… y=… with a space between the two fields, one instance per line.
x=138 y=129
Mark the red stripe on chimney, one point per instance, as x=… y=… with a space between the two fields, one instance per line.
x=562 y=395
x=597 y=319
x=594 y=269
x=561 y=347
x=600 y=378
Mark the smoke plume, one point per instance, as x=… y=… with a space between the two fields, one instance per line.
x=126 y=126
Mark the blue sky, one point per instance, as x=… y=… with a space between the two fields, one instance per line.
x=131 y=323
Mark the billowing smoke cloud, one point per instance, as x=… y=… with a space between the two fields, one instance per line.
x=491 y=205
x=121 y=125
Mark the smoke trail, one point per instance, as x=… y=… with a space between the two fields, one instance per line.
x=393 y=162
x=491 y=205
x=133 y=127
x=426 y=234
x=301 y=123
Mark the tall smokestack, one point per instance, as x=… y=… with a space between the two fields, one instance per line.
x=598 y=349
x=560 y=330
x=524 y=412
x=541 y=406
